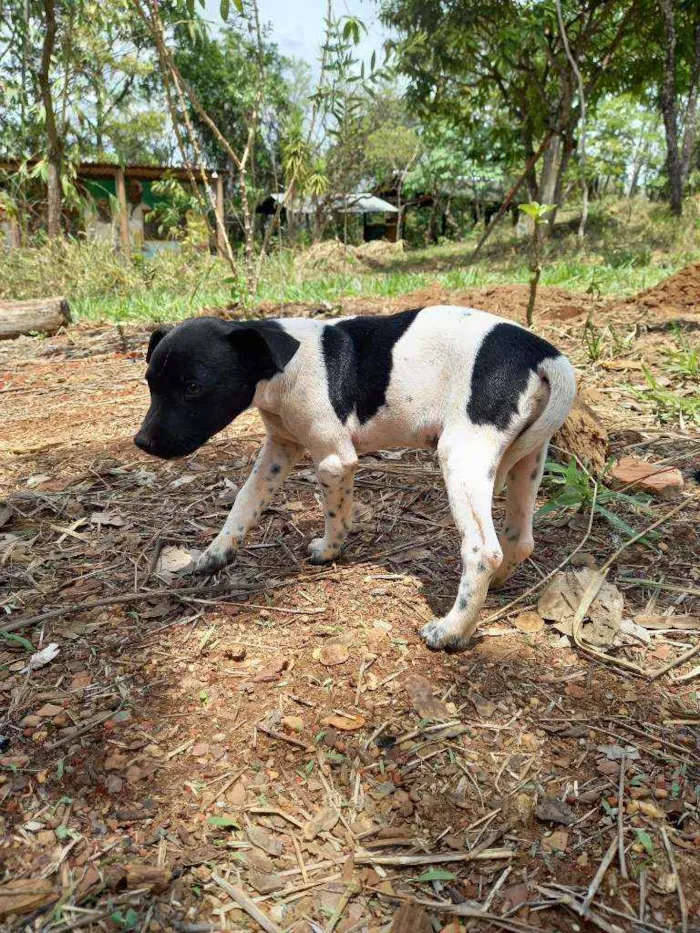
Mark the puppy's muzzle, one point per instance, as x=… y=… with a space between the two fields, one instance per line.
x=144 y=442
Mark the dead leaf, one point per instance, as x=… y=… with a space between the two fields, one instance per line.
x=264 y=840
x=110 y=519
x=410 y=918
x=529 y=622
x=485 y=708
x=424 y=702
x=324 y=821
x=553 y=810
x=42 y=658
x=561 y=598
x=264 y=884
x=616 y=752
x=412 y=554
x=25 y=895
x=272 y=671
x=173 y=559
x=148 y=876
x=345 y=723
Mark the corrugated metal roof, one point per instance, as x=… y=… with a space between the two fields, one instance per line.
x=361 y=203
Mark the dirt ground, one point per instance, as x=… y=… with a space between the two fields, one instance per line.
x=277 y=749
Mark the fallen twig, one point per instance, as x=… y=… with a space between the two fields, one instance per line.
x=246 y=904
x=676 y=663
x=679 y=887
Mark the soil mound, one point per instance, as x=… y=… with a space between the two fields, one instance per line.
x=678 y=293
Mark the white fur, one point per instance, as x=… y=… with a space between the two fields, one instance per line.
x=426 y=401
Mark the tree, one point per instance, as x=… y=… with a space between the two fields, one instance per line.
x=503 y=63
x=73 y=74
x=392 y=147
x=681 y=31
x=225 y=73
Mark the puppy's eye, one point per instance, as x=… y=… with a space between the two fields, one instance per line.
x=192 y=389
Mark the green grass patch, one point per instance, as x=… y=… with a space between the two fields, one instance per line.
x=628 y=248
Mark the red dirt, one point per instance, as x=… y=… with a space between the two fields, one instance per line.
x=174 y=723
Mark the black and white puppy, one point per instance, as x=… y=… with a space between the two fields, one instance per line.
x=487 y=393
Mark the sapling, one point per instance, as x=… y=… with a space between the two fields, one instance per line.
x=538 y=213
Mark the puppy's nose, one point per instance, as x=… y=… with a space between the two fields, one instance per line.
x=143 y=442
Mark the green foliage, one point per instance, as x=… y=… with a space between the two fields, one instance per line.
x=536 y=211
x=436 y=874
x=670 y=405
x=576 y=490
x=684 y=359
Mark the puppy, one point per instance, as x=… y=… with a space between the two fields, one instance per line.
x=485 y=392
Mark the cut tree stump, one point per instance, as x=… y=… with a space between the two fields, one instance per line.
x=38 y=316
x=583 y=435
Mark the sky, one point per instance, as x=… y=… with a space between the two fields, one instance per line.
x=297 y=25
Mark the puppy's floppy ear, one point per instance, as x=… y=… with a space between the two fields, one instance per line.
x=266 y=340
x=156 y=338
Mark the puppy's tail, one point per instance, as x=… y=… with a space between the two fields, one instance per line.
x=544 y=409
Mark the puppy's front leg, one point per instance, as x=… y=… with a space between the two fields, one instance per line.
x=275 y=460
x=336 y=476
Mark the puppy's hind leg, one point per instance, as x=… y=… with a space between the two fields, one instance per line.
x=275 y=460
x=517 y=541
x=336 y=476
x=468 y=463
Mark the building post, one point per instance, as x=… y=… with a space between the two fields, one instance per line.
x=220 y=223
x=123 y=212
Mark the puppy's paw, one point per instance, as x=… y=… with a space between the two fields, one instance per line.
x=214 y=559
x=322 y=553
x=439 y=636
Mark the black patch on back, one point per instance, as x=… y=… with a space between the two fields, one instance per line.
x=358 y=358
x=501 y=371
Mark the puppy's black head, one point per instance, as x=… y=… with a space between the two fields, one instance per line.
x=202 y=374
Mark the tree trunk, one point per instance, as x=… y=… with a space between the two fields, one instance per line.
x=40 y=316
x=668 y=107
x=550 y=171
x=691 y=110
x=54 y=152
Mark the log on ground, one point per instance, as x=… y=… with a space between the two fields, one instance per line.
x=584 y=436
x=38 y=316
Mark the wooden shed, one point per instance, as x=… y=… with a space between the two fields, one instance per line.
x=122 y=197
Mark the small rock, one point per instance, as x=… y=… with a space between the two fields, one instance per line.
x=133 y=774
x=293 y=723
x=30 y=722
x=557 y=842
x=114 y=784
x=235 y=653
x=658 y=479
x=49 y=710
x=200 y=749
x=332 y=653
x=552 y=810
x=272 y=671
x=529 y=622
x=344 y=723
x=424 y=701
x=115 y=762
